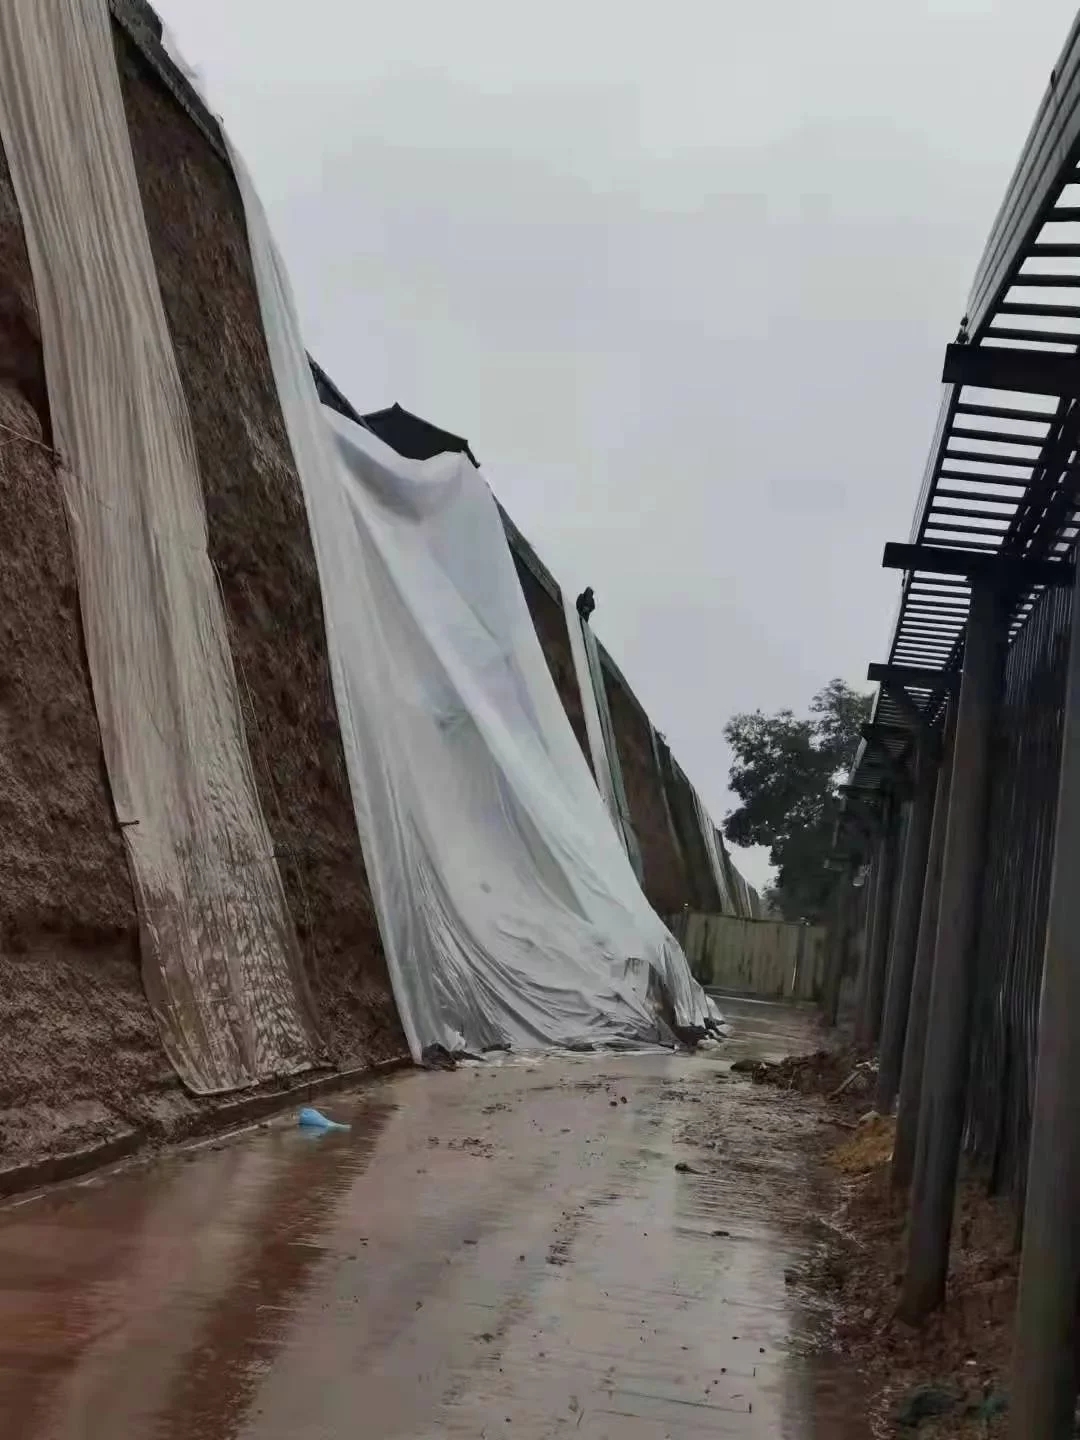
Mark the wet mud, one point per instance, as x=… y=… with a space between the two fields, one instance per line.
x=589 y=1246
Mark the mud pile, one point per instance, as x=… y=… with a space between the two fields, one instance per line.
x=844 y=1077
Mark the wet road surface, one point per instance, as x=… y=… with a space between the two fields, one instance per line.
x=505 y=1250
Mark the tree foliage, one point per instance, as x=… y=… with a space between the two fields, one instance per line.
x=785 y=773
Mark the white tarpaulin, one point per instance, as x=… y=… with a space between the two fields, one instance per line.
x=728 y=904
x=219 y=957
x=599 y=730
x=509 y=912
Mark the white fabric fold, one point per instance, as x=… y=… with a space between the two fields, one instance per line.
x=220 y=961
x=509 y=912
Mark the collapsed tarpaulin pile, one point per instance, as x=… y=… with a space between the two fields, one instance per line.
x=509 y=911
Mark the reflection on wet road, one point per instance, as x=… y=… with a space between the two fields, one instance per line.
x=501 y=1250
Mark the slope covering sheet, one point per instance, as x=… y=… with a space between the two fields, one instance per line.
x=510 y=914
x=220 y=963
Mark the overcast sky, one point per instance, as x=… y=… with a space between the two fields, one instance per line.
x=682 y=273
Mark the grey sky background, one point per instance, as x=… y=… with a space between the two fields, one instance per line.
x=683 y=274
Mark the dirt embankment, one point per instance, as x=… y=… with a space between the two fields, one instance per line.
x=550 y=624
x=949 y=1376
x=76 y=1034
x=666 y=884
x=80 y=1058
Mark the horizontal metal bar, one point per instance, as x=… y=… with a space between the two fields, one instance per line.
x=944 y=494
x=966 y=513
x=1064 y=213
x=1003 y=367
x=938 y=645
x=930 y=620
x=907 y=619
x=940 y=604
x=1060 y=249
x=922 y=591
x=1040 y=279
x=974 y=547
x=935 y=617
x=1013 y=570
x=1001 y=437
x=1012 y=332
x=1004 y=412
x=928 y=607
x=917 y=629
x=1016 y=462
x=912 y=677
x=955 y=533
x=933 y=648
x=1032 y=307
x=980 y=475
x=939 y=582
x=930 y=624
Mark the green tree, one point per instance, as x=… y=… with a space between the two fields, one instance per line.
x=786 y=774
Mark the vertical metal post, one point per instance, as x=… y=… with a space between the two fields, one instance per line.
x=873 y=874
x=877 y=957
x=840 y=919
x=911 y=1072
x=906 y=931
x=945 y=1069
x=1045 y=1375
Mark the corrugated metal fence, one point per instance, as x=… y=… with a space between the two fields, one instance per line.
x=1023 y=806
x=773 y=958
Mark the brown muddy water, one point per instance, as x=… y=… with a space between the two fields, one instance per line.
x=503 y=1250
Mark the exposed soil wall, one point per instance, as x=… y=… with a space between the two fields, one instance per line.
x=700 y=884
x=80 y=1059
x=76 y=1034
x=666 y=884
x=261 y=547
x=547 y=616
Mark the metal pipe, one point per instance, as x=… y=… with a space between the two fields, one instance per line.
x=944 y=1095
x=911 y=1071
x=906 y=933
x=1045 y=1373
x=873 y=994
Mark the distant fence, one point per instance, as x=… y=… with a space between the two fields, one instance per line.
x=771 y=958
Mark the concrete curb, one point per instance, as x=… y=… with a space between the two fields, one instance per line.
x=231 y=1114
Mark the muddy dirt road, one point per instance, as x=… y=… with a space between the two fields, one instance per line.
x=505 y=1250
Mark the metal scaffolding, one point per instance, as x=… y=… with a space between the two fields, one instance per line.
x=985 y=924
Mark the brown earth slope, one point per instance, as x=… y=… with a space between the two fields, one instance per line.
x=666 y=884
x=80 y=1059
x=550 y=622
x=76 y=1035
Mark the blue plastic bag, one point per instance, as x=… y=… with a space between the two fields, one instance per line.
x=316 y=1120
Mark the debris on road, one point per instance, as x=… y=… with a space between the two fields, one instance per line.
x=871 y=1145
x=312 y=1119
